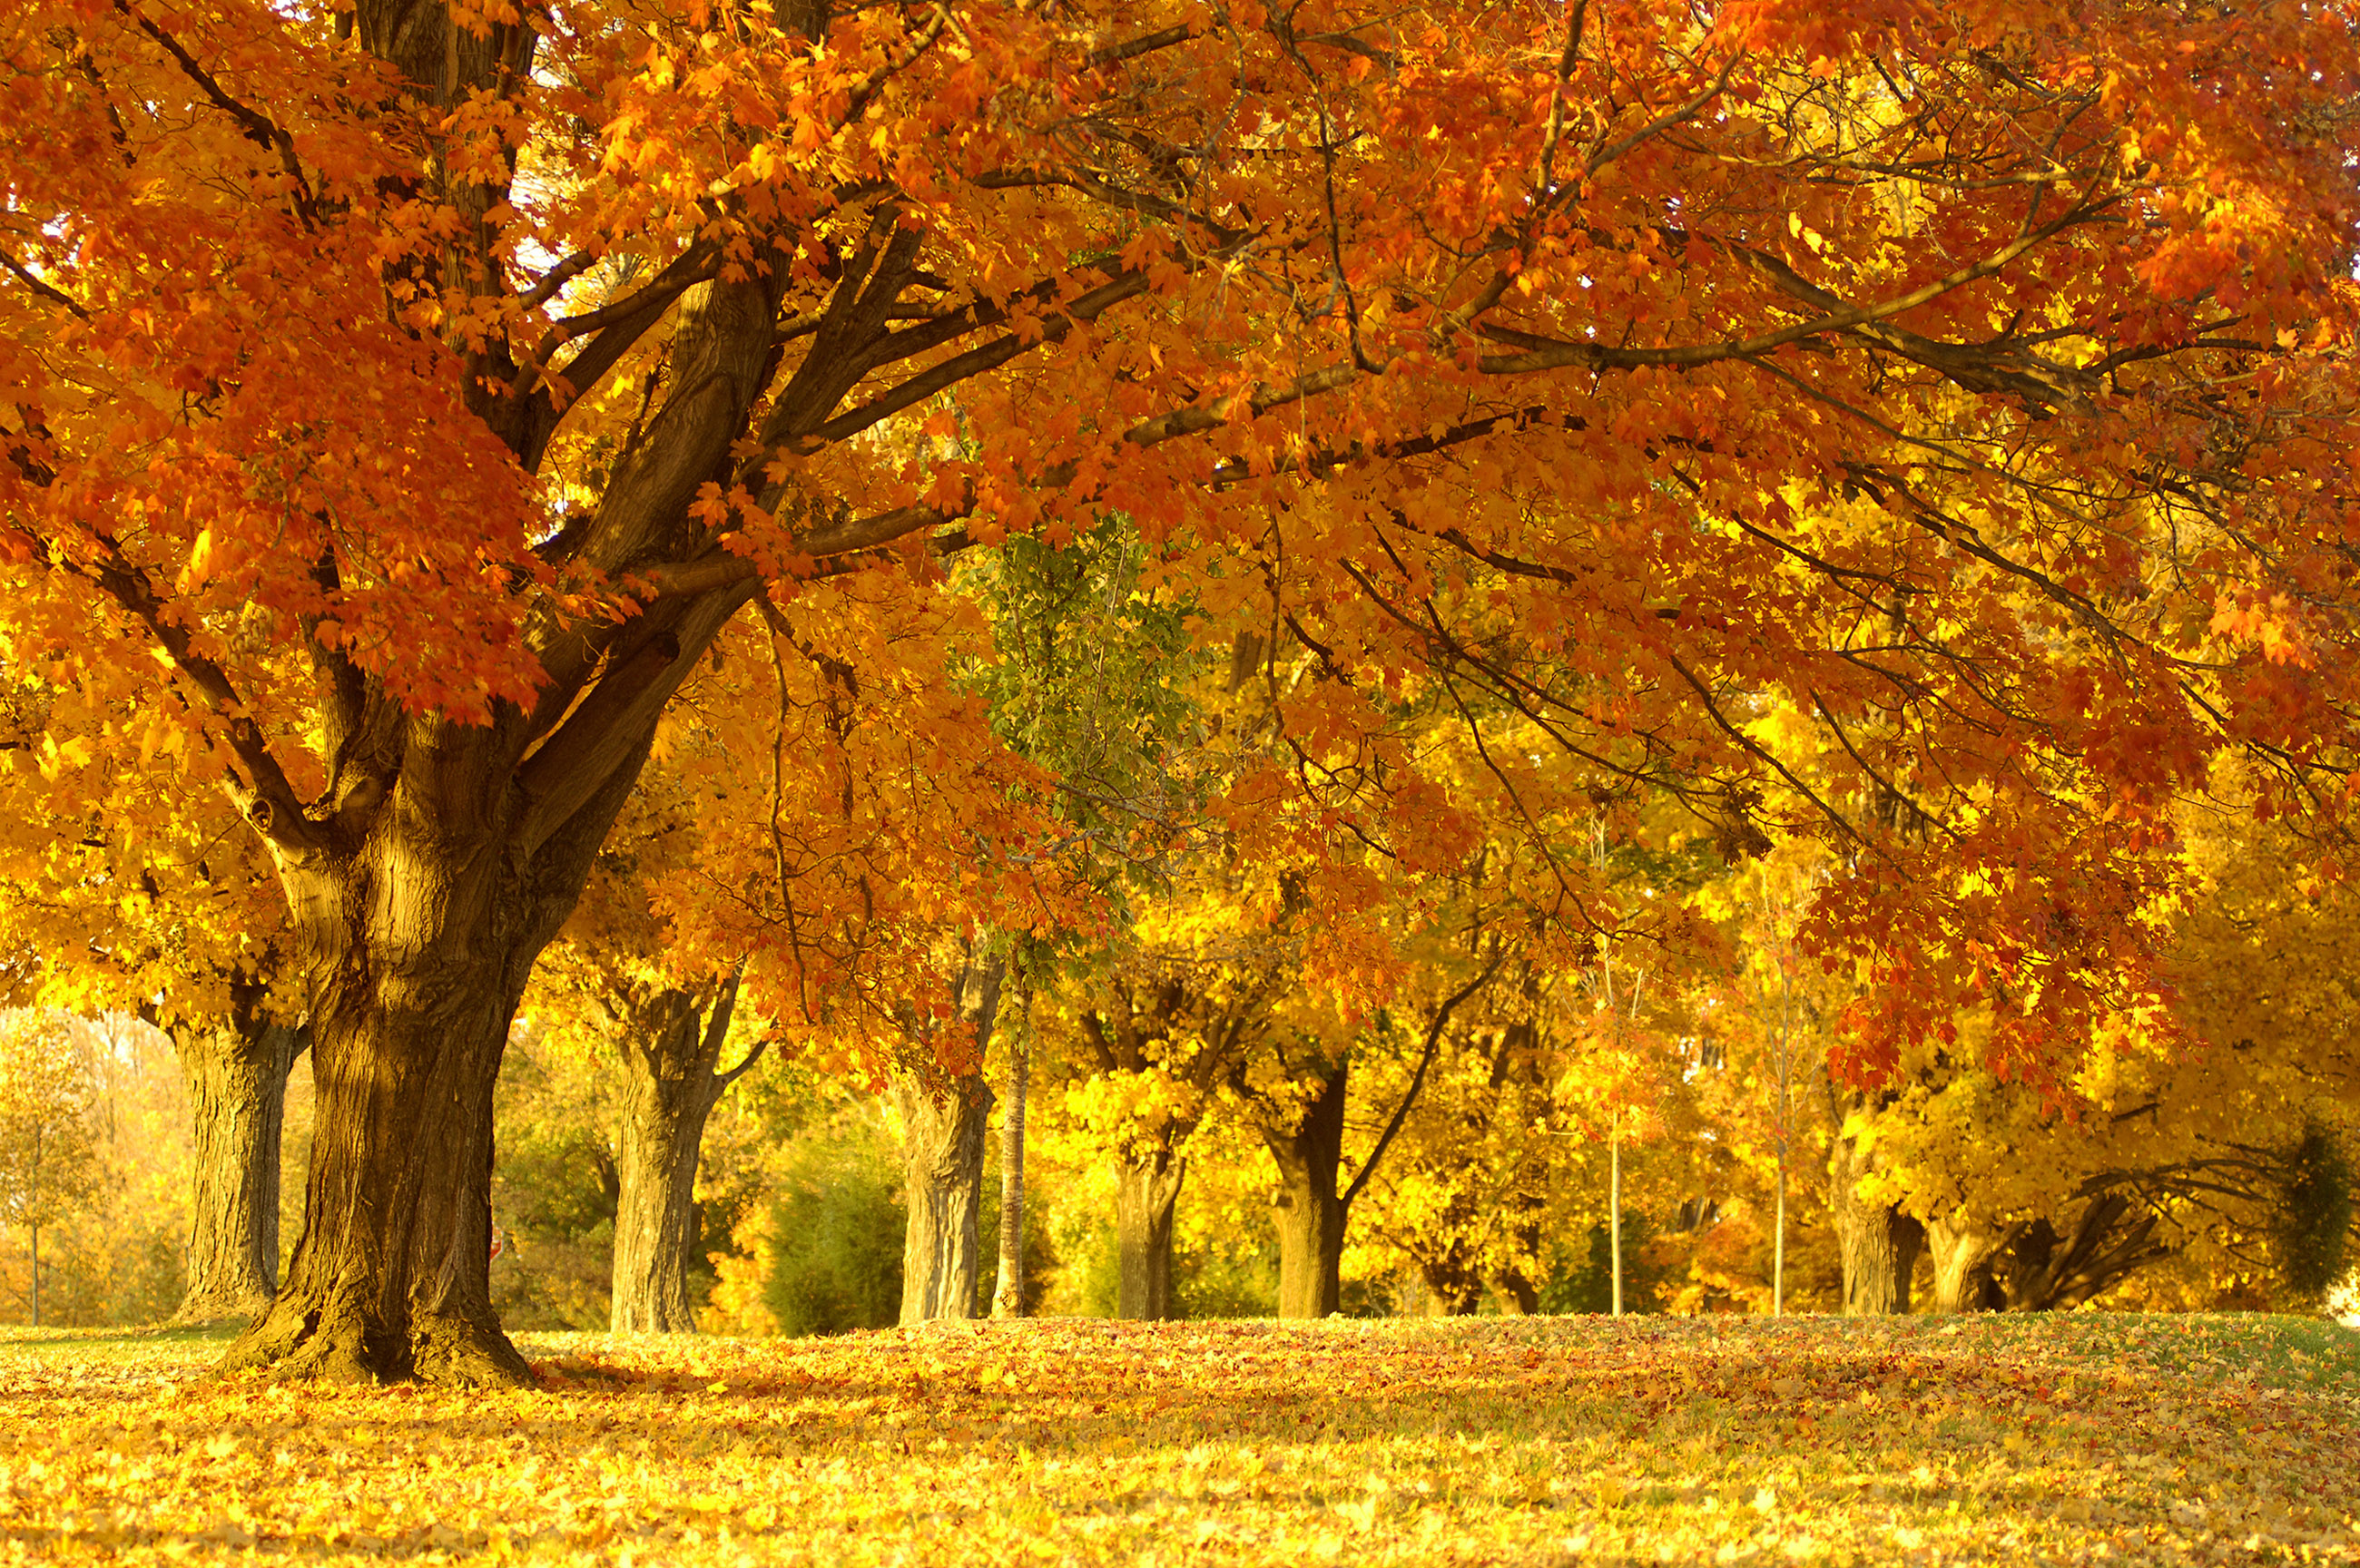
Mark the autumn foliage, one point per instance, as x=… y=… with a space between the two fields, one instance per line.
x=1920 y=428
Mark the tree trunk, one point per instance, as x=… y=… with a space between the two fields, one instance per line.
x=944 y=1134
x=1879 y=1243
x=1008 y=1291
x=2044 y=1268
x=1310 y=1210
x=943 y=1144
x=417 y=931
x=238 y=1087
x=1146 y=1189
x=670 y=1089
x=1963 y=1252
x=1614 y=1207
x=1456 y=1290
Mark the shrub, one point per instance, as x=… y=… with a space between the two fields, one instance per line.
x=837 y=1230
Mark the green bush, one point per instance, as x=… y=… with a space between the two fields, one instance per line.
x=1583 y=1280
x=1239 y=1281
x=2313 y=1234
x=838 y=1232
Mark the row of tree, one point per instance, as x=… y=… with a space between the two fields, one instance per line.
x=1427 y=1051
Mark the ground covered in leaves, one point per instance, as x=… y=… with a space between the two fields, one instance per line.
x=2073 y=1439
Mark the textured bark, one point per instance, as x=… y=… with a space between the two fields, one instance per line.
x=942 y=1133
x=670 y=1087
x=1310 y=1212
x=1879 y=1244
x=1962 y=1251
x=236 y=1074
x=418 y=941
x=944 y=1136
x=1146 y=1189
x=443 y=853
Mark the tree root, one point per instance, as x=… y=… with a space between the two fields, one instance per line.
x=295 y=1342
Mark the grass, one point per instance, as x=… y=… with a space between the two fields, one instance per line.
x=2070 y=1439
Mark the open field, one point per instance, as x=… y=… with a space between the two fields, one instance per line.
x=2071 y=1439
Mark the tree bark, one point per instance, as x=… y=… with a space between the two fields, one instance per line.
x=671 y=1086
x=417 y=930
x=236 y=1074
x=944 y=1135
x=1963 y=1252
x=2044 y=1268
x=1146 y=1189
x=1008 y=1291
x=1310 y=1210
x=1878 y=1243
x=942 y=1145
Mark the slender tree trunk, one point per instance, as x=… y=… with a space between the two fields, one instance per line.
x=1310 y=1212
x=237 y=1077
x=670 y=1089
x=37 y=1273
x=1008 y=1291
x=1879 y=1244
x=1146 y=1189
x=943 y=1137
x=1614 y=1207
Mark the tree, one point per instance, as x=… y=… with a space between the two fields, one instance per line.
x=1008 y=1298
x=150 y=897
x=237 y=1074
x=944 y=1115
x=2187 y=1127
x=48 y=1145
x=416 y=392
x=1175 y=1009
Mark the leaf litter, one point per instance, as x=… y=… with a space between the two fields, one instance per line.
x=2087 y=1438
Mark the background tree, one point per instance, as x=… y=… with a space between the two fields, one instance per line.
x=49 y=1142
x=146 y=895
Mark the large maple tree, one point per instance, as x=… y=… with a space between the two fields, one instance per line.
x=402 y=397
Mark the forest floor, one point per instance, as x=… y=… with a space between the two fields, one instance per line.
x=2071 y=1439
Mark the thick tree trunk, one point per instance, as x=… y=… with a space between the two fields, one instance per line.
x=2045 y=1268
x=1963 y=1252
x=418 y=933
x=945 y=1130
x=1310 y=1212
x=1879 y=1244
x=670 y=1087
x=1146 y=1189
x=943 y=1144
x=237 y=1077
x=392 y=1277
